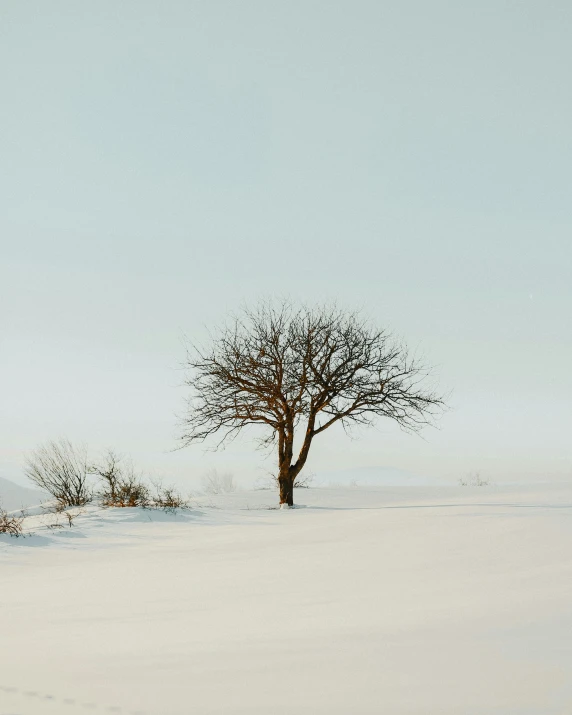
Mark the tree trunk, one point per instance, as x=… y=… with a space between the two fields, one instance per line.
x=286 y=490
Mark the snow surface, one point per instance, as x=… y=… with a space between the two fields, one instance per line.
x=417 y=600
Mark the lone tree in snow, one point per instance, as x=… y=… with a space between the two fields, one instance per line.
x=296 y=372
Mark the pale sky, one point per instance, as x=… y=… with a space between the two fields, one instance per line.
x=165 y=162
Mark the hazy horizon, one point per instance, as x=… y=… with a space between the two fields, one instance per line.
x=166 y=163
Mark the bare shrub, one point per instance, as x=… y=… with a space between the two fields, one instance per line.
x=130 y=492
x=10 y=524
x=474 y=479
x=121 y=485
x=61 y=469
x=215 y=483
x=167 y=498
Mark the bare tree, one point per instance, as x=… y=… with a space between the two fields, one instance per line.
x=296 y=372
x=62 y=470
x=167 y=498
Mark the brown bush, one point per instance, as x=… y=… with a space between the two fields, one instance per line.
x=10 y=524
x=121 y=485
x=167 y=498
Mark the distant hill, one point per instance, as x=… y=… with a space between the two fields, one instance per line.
x=13 y=496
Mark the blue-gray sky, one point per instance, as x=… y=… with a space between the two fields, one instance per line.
x=163 y=162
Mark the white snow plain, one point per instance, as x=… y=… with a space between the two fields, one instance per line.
x=411 y=600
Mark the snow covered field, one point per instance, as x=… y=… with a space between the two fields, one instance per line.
x=425 y=600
